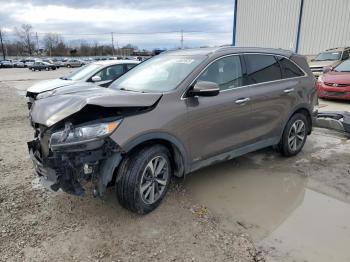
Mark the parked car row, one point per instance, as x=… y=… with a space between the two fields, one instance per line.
x=11 y=64
x=332 y=70
x=168 y=116
x=64 y=62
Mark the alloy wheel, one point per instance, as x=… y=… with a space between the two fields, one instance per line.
x=154 y=179
x=297 y=134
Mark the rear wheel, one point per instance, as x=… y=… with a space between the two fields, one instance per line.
x=143 y=179
x=294 y=135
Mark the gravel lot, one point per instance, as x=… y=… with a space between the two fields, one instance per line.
x=241 y=210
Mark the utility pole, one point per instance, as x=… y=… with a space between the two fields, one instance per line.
x=112 y=43
x=234 y=31
x=297 y=40
x=2 y=46
x=182 y=39
x=37 y=43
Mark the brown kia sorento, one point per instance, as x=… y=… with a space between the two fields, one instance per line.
x=175 y=113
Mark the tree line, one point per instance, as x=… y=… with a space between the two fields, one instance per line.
x=26 y=43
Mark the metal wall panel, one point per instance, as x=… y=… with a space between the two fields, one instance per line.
x=267 y=23
x=273 y=23
x=325 y=24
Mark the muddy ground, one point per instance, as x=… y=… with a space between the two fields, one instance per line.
x=257 y=207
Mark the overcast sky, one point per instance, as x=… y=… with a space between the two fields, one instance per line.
x=73 y=18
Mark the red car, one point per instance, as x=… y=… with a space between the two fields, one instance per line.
x=335 y=84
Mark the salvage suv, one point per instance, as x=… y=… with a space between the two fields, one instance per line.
x=173 y=114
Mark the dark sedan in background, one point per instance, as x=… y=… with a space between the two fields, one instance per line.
x=40 y=65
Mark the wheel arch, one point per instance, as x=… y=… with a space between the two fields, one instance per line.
x=176 y=148
x=303 y=109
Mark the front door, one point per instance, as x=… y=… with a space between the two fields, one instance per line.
x=220 y=123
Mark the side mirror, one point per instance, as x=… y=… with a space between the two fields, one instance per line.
x=96 y=79
x=205 y=88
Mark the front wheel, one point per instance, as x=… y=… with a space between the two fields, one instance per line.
x=143 y=179
x=294 y=135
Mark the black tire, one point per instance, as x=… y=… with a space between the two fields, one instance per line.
x=69 y=66
x=289 y=146
x=132 y=173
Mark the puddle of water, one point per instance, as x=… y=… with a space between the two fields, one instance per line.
x=282 y=215
x=317 y=230
x=255 y=199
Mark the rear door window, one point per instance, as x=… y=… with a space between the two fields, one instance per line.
x=111 y=73
x=262 y=68
x=289 y=69
x=226 y=72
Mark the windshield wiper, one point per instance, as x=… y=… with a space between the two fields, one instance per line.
x=64 y=78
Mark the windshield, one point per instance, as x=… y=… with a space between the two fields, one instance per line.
x=328 y=56
x=83 y=72
x=343 y=67
x=159 y=74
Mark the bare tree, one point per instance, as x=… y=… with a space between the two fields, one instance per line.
x=51 y=42
x=25 y=36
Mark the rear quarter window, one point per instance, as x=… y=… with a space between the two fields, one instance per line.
x=289 y=69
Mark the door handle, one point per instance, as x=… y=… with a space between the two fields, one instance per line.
x=242 y=100
x=288 y=90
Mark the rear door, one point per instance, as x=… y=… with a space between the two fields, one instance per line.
x=220 y=123
x=274 y=81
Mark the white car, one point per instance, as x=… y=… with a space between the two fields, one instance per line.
x=100 y=73
x=73 y=63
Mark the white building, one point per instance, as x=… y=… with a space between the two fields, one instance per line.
x=274 y=23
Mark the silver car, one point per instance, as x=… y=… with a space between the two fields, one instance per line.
x=328 y=59
x=100 y=73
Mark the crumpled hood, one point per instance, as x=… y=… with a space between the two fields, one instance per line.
x=53 y=109
x=48 y=85
x=322 y=63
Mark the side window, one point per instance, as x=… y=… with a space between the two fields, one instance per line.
x=129 y=66
x=226 y=72
x=110 y=73
x=345 y=55
x=262 y=68
x=289 y=69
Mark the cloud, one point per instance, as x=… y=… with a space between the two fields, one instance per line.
x=74 y=18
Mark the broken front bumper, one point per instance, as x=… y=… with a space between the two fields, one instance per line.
x=70 y=170
x=338 y=121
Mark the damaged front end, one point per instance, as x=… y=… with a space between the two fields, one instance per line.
x=70 y=157
x=72 y=142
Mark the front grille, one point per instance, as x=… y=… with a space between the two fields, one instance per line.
x=336 y=84
x=316 y=69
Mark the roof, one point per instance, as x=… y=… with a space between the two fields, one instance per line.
x=116 y=62
x=228 y=49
